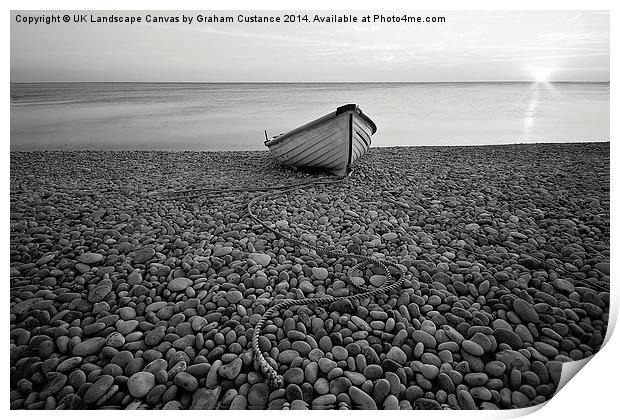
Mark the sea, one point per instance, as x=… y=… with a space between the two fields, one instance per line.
x=235 y=116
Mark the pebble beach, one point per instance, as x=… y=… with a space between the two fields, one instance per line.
x=124 y=298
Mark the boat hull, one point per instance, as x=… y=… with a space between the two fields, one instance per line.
x=332 y=142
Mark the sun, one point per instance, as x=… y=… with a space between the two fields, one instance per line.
x=541 y=75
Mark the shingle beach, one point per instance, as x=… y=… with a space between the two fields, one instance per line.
x=124 y=298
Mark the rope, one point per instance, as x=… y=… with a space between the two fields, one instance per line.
x=391 y=284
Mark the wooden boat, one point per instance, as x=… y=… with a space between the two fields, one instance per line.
x=332 y=142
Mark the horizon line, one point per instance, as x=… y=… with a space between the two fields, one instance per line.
x=307 y=82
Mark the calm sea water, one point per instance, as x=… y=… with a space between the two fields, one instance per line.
x=197 y=116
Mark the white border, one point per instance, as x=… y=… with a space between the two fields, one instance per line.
x=591 y=394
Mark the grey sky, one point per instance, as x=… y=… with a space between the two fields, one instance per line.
x=470 y=46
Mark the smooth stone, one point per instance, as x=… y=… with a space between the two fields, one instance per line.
x=420 y=336
x=90 y=258
x=319 y=273
x=140 y=383
x=525 y=311
x=306 y=287
x=258 y=395
x=260 y=258
x=397 y=355
x=221 y=251
x=89 y=347
x=495 y=368
x=178 y=284
x=143 y=255
x=340 y=353
x=465 y=400
x=476 y=379
x=98 y=389
x=430 y=371
x=426 y=404
x=234 y=296
x=389 y=236
x=361 y=400
x=378 y=280
x=186 y=381
x=472 y=348
x=68 y=364
x=508 y=337
x=232 y=369
x=373 y=372
x=326 y=365
x=324 y=401
x=205 y=399
x=239 y=403
x=339 y=385
x=294 y=376
x=55 y=382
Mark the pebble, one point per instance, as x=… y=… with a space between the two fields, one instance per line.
x=378 y=280
x=89 y=347
x=143 y=255
x=294 y=376
x=178 y=284
x=259 y=258
x=361 y=400
x=186 y=381
x=232 y=369
x=420 y=336
x=472 y=348
x=397 y=355
x=140 y=383
x=258 y=395
x=205 y=399
x=222 y=251
x=98 y=389
x=234 y=296
x=90 y=258
x=306 y=287
x=525 y=311
x=508 y=337
x=319 y=273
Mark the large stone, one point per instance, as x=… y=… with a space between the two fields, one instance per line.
x=221 y=251
x=186 y=381
x=260 y=258
x=525 y=310
x=513 y=360
x=258 y=395
x=397 y=355
x=234 y=296
x=205 y=399
x=140 y=384
x=90 y=258
x=425 y=338
x=98 y=389
x=100 y=291
x=89 y=347
x=143 y=255
x=232 y=369
x=508 y=337
x=178 y=284
x=361 y=400
x=319 y=273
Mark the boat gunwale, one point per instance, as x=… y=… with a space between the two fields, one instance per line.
x=340 y=111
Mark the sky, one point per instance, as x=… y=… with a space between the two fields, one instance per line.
x=469 y=46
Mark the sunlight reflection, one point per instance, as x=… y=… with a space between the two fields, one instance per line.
x=540 y=86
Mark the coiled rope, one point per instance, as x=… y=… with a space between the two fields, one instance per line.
x=390 y=285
